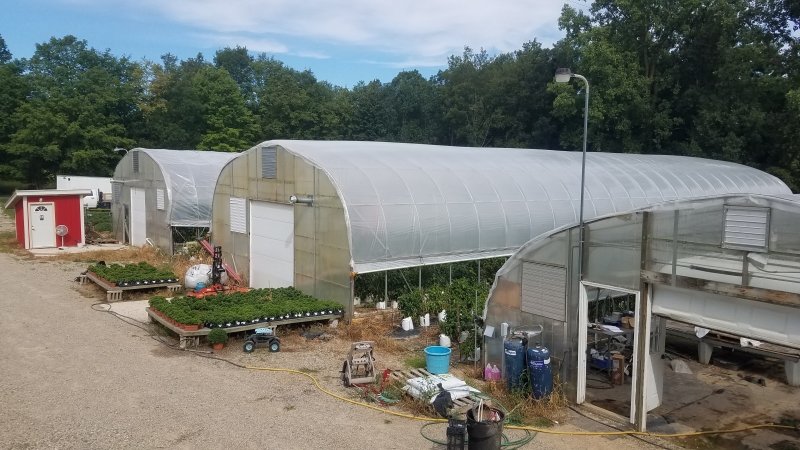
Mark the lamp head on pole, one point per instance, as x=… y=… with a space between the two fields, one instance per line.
x=563 y=75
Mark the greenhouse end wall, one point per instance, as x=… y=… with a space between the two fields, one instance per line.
x=685 y=239
x=149 y=178
x=321 y=246
x=559 y=336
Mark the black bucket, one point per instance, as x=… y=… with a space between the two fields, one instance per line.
x=486 y=432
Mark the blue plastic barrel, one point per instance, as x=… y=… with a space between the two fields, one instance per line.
x=437 y=359
x=540 y=371
x=514 y=350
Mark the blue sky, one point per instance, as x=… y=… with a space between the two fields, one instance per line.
x=341 y=41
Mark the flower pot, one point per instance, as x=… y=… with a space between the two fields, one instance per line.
x=218 y=346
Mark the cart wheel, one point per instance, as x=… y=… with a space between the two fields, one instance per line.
x=249 y=346
x=344 y=374
x=274 y=346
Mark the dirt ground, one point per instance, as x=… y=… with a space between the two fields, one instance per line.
x=72 y=377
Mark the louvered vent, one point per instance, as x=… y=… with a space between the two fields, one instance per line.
x=269 y=162
x=238 y=215
x=116 y=191
x=544 y=290
x=746 y=228
x=136 y=162
x=160 y=199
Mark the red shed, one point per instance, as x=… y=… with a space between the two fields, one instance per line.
x=49 y=218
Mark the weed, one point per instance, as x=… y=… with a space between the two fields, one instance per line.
x=415 y=362
x=288 y=407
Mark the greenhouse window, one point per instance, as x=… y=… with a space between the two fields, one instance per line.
x=746 y=228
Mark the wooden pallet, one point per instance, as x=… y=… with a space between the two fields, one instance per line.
x=114 y=292
x=187 y=338
x=461 y=404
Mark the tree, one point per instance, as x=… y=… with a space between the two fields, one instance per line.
x=239 y=65
x=79 y=104
x=5 y=55
x=228 y=124
x=684 y=77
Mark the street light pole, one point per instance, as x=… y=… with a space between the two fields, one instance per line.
x=563 y=76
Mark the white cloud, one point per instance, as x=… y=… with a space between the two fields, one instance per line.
x=404 y=30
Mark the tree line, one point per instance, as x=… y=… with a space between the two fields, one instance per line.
x=714 y=79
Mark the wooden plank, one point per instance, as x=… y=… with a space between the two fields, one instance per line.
x=204 y=331
x=108 y=286
x=727 y=289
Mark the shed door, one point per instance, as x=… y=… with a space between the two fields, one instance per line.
x=138 y=217
x=42 y=222
x=271 y=245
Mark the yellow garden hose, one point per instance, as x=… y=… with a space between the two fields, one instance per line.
x=517 y=427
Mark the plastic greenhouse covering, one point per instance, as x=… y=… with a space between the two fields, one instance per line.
x=191 y=177
x=412 y=204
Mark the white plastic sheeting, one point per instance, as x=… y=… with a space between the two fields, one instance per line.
x=412 y=204
x=190 y=176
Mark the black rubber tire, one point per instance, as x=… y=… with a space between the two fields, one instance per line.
x=249 y=346
x=274 y=346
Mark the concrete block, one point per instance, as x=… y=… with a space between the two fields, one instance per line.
x=792 y=369
x=704 y=351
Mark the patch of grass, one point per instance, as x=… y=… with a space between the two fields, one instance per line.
x=7 y=211
x=307 y=370
x=415 y=362
x=375 y=328
x=98 y=220
x=521 y=409
x=9 y=244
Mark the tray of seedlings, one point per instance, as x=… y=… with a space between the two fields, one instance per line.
x=115 y=278
x=242 y=311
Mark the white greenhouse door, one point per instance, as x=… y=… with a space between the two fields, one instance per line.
x=271 y=245
x=42 y=221
x=138 y=217
x=654 y=375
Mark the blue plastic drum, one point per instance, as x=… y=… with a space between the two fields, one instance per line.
x=514 y=354
x=540 y=371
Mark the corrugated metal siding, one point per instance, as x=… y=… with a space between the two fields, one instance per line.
x=269 y=162
x=746 y=227
x=544 y=290
x=238 y=215
x=160 y=199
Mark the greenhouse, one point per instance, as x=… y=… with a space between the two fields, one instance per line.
x=161 y=195
x=720 y=272
x=312 y=214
